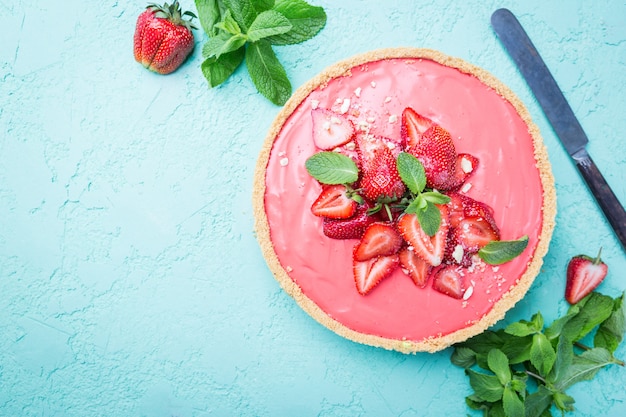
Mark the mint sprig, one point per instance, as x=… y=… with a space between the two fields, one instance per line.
x=247 y=30
x=420 y=202
x=332 y=168
x=526 y=368
x=500 y=251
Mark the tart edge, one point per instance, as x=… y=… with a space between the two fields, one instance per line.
x=506 y=302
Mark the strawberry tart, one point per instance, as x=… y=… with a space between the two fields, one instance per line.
x=404 y=199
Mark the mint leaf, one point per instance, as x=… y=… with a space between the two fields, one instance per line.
x=512 y=403
x=486 y=387
x=243 y=12
x=499 y=252
x=594 y=309
x=209 y=13
x=430 y=219
x=222 y=44
x=517 y=349
x=524 y=328
x=228 y=24
x=542 y=355
x=538 y=402
x=267 y=73
x=436 y=197
x=463 y=357
x=564 y=358
x=556 y=328
x=411 y=172
x=611 y=331
x=267 y=24
x=262 y=5
x=563 y=401
x=217 y=70
x=306 y=21
x=499 y=365
x=332 y=168
x=584 y=367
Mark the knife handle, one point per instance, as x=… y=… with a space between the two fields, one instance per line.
x=607 y=200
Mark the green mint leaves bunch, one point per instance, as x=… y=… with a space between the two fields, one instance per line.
x=248 y=29
x=504 y=366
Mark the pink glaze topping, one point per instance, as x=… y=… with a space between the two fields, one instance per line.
x=374 y=95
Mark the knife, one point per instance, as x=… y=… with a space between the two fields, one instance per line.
x=559 y=114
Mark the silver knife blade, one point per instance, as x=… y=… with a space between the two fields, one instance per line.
x=559 y=114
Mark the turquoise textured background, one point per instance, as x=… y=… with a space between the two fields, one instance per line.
x=131 y=283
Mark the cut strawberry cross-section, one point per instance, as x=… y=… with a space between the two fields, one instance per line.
x=431 y=249
x=449 y=281
x=368 y=274
x=584 y=274
x=330 y=129
x=352 y=227
x=334 y=202
x=379 y=239
x=413 y=126
x=414 y=266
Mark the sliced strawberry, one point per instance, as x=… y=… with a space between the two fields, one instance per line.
x=431 y=249
x=330 y=129
x=462 y=206
x=413 y=126
x=350 y=228
x=367 y=274
x=449 y=281
x=379 y=239
x=414 y=266
x=473 y=233
x=435 y=150
x=334 y=202
x=584 y=274
x=382 y=178
x=465 y=166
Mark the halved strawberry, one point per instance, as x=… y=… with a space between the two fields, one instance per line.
x=413 y=126
x=414 y=266
x=449 y=281
x=462 y=206
x=465 y=166
x=382 y=178
x=334 y=202
x=473 y=233
x=379 y=239
x=367 y=274
x=352 y=227
x=435 y=150
x=330 y=129
x=584 y=274
x=431 y=249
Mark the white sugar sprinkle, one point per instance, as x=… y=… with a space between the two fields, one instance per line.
x=345 y=106
x=284 y=162
x=315 y=104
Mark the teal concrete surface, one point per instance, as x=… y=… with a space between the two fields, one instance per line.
x=131 y=283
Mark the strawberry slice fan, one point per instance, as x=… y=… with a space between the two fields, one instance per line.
x=384 y=207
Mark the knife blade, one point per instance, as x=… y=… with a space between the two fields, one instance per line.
x=560 y=115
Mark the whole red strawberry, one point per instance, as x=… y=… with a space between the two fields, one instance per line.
x=163 y=38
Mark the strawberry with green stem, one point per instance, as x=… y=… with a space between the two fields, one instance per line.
x=584 y=274
x=163 y=38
